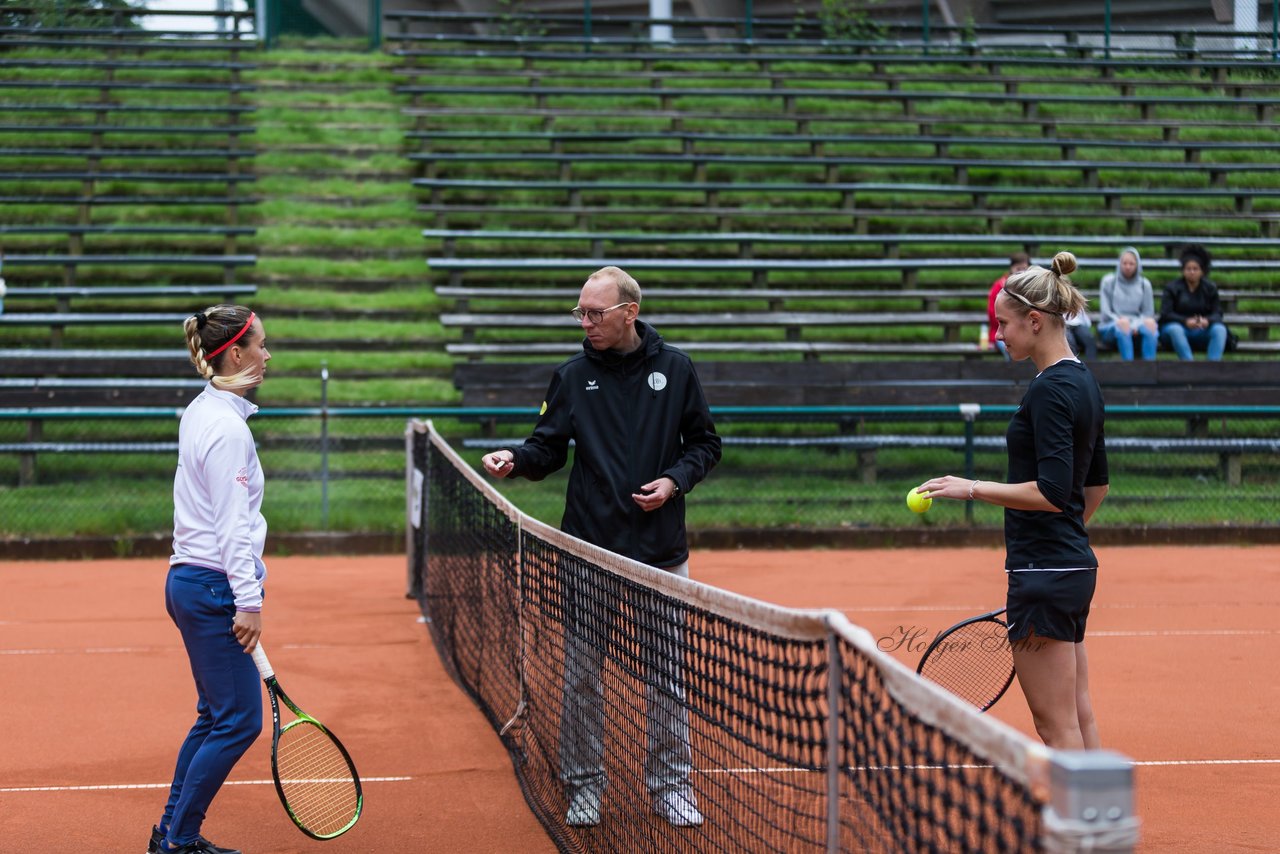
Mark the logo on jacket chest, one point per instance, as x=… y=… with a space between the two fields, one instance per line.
x=656 y=381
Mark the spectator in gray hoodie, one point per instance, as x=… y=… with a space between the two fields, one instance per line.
x=1127 y=308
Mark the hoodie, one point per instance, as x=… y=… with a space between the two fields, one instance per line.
x=633 y=417
x=1120 y=297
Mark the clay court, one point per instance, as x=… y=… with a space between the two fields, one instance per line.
x=97 y=694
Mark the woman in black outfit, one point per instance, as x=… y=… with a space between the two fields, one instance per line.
x=1057 y=478
x=1191 y=310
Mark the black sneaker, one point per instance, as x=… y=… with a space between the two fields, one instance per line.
x=200 y=846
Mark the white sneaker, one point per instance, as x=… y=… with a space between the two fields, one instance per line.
x=679 y=807
x=584 y=809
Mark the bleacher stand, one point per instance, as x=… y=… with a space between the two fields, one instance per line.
x=122 y=176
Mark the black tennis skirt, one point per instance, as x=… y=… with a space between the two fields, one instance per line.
x=1052 y=603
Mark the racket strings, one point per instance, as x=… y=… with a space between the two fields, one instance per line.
x=974 y=662
x=318 y=783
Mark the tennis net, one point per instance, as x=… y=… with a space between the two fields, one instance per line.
x=623 y=692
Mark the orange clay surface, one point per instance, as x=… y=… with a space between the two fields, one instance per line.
x=97 y=694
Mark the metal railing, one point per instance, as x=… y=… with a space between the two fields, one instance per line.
x=851 y=31
x=71 y=472
x=829 y=27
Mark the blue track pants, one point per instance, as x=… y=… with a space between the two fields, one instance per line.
x=229 y=690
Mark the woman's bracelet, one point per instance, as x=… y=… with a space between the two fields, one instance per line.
x=972 y=487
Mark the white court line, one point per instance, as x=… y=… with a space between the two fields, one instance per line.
x=99 y=650
x=1181 y=633
x=1149 y=763
x=1190 y=633
x=889 y=609
x=134 y=650
x=1156 y=763
x=118 y=786
x=982 y=609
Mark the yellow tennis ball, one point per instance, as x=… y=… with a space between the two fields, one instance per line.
x=918 y=502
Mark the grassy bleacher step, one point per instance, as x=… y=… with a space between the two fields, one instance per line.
x=900 y=102
x=741 y=205
x=499 y=241
x=340 y=252
x=819 y=144
x=1001 y=63
x=1130 y=86
x=385 y=348
x=120 y=180
x=473 y=212
x=606 y=116
x=543 y=160
x=340 y=257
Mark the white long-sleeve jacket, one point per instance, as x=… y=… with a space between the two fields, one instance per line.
x=217 y=494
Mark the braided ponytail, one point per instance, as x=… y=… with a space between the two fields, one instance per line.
x=195 y=348
x=212 y=330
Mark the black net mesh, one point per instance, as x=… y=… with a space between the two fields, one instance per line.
x=645 y=712
x=907 y=784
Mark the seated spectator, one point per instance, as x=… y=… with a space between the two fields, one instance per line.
x=1018 y=262
x=1127 y=308
x=1080 y=335
x=1190 y=310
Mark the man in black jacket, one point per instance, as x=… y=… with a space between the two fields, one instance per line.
x=643 y=438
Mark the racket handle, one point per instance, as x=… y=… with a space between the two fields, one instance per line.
x=264 y=666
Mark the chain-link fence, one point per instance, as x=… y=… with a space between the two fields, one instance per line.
x=838 y=469
x=87 y=476
x=853 y=471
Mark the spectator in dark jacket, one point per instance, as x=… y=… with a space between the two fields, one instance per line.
x=643 y=438
x=1190 y=311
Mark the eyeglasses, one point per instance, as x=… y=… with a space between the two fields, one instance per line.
x=595 y=315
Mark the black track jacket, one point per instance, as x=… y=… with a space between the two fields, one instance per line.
x=633 y=418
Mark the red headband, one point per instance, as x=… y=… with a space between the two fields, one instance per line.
x=236 y=338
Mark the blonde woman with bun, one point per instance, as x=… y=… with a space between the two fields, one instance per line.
x=1057 y=478
x=214 y=589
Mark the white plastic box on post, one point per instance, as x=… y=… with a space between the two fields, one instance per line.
x=1090 y=806
x=660 y=9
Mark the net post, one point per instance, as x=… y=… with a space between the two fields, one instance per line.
x=324 y=445
x=415 y=495
x=1090 y=804
x=834 y=672
x=410 y=431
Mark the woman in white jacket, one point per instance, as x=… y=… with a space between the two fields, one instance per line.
x=214 y=588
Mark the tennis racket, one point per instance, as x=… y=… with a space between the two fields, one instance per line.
x=315 y=778
x=973 y=660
